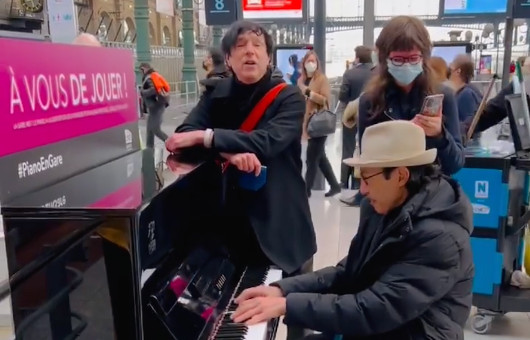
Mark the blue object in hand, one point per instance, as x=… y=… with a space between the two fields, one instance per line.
x=249 y=181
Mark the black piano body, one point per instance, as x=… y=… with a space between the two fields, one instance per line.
x=105 y=255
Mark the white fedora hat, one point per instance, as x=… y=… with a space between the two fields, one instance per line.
x=393 y=144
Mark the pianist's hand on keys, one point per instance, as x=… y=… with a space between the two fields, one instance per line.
x=259 y=304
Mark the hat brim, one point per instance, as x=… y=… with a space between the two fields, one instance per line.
x=426 y=157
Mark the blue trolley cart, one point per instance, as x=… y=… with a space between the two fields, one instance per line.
x=498 y=189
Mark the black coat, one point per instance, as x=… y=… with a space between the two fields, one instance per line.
x=406 y=276
x=494 y=112
x=354 y=81
x=279 y=212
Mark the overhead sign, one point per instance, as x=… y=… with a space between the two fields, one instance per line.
x=273 y=9
x=62 y=21
x=220 y=12
x=473 y=7
x=522 y=9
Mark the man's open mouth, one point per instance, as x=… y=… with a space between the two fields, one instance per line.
x=250 y=62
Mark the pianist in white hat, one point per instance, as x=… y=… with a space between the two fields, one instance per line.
x=409 y=271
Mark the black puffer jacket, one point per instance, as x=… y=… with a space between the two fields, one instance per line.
x=407 y=275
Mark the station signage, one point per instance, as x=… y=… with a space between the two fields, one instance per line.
x=221 y=12
x=273 y=9
x=521 y=9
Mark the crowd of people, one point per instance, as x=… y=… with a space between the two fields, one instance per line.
x=409 y=270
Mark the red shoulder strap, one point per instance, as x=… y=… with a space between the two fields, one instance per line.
x=259 y=110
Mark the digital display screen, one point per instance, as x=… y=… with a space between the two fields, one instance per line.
x=449 y=52
x=522 y=9
x=474 y=7
x=273 y=9
x=519 y=121
x=289 y=61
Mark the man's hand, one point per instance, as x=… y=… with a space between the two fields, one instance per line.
x=246 y=162
x=181 y=140
x=259 y=291
x=260 y=309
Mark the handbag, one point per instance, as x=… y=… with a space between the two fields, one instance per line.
x=322 y=123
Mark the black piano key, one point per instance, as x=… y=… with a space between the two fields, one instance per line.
x=231 y=334
x=252 y=277
x=232 y=331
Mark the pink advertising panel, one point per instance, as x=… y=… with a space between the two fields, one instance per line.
x=54 y=92
x=127 y=197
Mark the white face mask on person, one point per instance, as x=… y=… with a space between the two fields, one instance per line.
x=310 y=67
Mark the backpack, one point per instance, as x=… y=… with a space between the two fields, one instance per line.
x=161 y=86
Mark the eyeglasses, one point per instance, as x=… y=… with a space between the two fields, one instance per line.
x=365 y=179
x=413 y=60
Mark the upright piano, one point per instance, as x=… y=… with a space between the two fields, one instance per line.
x=106 y=254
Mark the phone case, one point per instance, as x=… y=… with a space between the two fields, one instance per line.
x=432 y=104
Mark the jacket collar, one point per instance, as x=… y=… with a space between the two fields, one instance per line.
x=224 y=86
x=399 y=101
x=368 y=66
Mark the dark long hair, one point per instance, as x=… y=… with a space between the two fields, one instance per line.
x=401 y=33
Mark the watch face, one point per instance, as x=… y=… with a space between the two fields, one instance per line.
x=33 y=6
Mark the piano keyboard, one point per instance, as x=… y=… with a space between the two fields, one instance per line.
x=237 y=331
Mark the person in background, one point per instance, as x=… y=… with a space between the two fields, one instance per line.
x=256 y=220
x=156 y=106
x=441 y=70
x=214 y=64
x=409 y=271
x=295 y=64
x=399 y=89
x=315 y=86
x=468 y=97
x=495 y=110
x=353 y=82
x=87 y=39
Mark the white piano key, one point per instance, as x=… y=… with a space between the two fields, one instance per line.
x=273 y=275
x=145 y=275
x=259 y=331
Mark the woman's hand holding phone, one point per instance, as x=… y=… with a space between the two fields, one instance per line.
x=432 y=125
x=430 y=118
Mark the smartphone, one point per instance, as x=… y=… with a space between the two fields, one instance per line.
x=432 y=105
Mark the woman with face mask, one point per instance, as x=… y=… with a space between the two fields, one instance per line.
x=315 y=86
x=403 y=80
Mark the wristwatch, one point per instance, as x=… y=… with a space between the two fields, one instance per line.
x=208 y=138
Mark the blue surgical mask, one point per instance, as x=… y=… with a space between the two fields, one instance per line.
x=406 y=73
